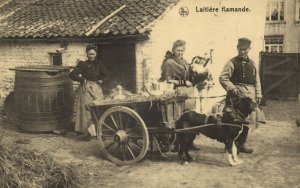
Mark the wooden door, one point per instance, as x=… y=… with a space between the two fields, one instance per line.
x=280 y=75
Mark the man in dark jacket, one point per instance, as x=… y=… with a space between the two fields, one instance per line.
x=240 y=77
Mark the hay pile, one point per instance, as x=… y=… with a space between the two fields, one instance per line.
x=25 y=169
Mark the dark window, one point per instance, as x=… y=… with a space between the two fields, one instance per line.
x=56 y=58
x=275 y=10
x=274 y=44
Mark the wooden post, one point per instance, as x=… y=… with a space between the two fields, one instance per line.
x=298 y=74
x=104 y=20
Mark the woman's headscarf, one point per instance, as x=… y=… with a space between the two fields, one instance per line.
x=91 y=47
x=178 y=43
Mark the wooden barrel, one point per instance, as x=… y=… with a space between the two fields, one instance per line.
x=43 y=98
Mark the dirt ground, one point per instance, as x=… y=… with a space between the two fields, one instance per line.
x=274 y=163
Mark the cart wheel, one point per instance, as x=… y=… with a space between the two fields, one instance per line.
x=122 y=135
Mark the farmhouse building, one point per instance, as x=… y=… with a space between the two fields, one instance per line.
x=55 y=32
x=132 y=35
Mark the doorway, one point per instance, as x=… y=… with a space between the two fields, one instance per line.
x=119 y=59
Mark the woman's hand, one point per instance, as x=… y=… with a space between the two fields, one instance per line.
x=173 y=81
x=258 y=100
x=188 y=83
x=181 y=82
x=234 y=92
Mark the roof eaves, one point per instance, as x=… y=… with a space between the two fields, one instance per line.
x=147 y=29
x=102 y=21
x=109 y=38
x=9 y=14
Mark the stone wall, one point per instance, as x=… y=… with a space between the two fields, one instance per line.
x=25 y=53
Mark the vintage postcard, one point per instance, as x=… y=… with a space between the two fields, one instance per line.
x=149 y=93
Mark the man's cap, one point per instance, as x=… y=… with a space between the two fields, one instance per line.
x=244 y=43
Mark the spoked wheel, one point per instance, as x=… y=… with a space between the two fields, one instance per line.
x=123 y=136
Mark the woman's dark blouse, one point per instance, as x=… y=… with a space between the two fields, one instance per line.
x=91 y=71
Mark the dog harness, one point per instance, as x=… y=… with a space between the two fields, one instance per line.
x=236 y=115
x=218 y=117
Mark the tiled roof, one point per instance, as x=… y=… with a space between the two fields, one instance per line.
x=74 y=18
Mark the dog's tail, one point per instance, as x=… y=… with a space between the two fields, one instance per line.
x=178 y=124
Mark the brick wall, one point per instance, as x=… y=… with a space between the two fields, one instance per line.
x=14 y=54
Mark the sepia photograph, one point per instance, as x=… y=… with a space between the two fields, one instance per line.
x=149 y=93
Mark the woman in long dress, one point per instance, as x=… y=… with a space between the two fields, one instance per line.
x=91 y=74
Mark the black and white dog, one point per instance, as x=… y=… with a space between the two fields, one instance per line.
x=234 y=114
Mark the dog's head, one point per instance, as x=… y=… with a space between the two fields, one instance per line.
x=244 y=104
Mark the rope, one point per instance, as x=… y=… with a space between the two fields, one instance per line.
x=207 y=97
x=174 y=140
x=155 y=141
x=164 y=154
x=190 y=129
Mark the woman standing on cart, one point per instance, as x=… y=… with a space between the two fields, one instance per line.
x=90 y=73
x=176 y=70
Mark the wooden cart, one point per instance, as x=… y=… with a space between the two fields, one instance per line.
x=126 y=128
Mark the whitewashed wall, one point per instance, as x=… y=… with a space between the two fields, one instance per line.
x=202 y=32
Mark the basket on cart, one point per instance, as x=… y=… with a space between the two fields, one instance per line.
x=126 y=127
